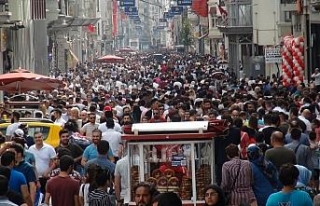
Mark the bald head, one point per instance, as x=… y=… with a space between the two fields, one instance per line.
x=306 y=113
x=277 y=138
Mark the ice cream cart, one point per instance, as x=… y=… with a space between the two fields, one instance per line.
x=173 y=156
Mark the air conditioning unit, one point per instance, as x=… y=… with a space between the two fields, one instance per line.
x=16 y=8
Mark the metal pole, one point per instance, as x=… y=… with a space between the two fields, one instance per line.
x=3 y=48
x=1 y=72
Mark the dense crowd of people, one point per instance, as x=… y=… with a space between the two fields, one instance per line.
x=267 y=156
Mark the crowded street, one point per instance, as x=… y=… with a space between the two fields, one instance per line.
x=102 y=112
x=159 y=103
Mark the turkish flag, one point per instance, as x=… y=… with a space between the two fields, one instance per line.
x=91 y=28
x=200 y=7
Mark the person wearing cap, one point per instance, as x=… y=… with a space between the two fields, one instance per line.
x=108 y=113
x=25 y=128
x=316 y=76
x=18 y=139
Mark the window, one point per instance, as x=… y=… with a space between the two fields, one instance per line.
x=32 y=129
x=134 y=44
x=42 y=129
x=287 y=16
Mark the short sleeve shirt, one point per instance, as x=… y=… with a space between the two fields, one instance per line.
x=16 y=180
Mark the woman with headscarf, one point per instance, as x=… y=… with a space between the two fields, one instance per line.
x=264 y=173
x=304 y=179
x=214 y=196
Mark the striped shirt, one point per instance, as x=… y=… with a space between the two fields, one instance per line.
x=99 y=197
x=242 y=191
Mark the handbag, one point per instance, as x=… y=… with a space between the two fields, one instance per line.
x=228 y=194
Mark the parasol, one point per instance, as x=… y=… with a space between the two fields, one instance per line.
x=110 y=59
x=23 y=80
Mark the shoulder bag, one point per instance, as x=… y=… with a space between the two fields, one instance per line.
x=228 y=194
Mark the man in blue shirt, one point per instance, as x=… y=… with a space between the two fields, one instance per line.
x=102 y=158
x=91 y=151
x=26 y=169
x=4 y=188
x=288 y=176
x=17 y=181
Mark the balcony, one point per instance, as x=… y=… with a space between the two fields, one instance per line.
x=5 y=16
x=214 y=32
x=239 y=19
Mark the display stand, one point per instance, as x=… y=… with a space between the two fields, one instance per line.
x=173 y=156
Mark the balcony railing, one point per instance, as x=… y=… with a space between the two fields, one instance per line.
x=288 y=1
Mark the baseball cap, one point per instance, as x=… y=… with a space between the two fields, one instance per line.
x=107 y=109
x=19 y=133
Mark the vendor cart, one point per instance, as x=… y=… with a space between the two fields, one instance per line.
x=173 y=156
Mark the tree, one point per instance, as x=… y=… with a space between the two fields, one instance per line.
x=185 y=36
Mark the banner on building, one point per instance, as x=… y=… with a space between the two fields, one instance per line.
x=177 y=10
x=127 y=3
x=184 y=2
x=135 y=13
x=272 y=55
x=200 y=7
x=130 y=9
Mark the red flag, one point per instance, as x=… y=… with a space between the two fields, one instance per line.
x=91 y=28
x=200 y=7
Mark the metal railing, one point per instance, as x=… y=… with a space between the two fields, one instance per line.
x=288 y=1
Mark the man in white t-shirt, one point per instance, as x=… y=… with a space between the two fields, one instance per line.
x=44 y=155
x=109 y=114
